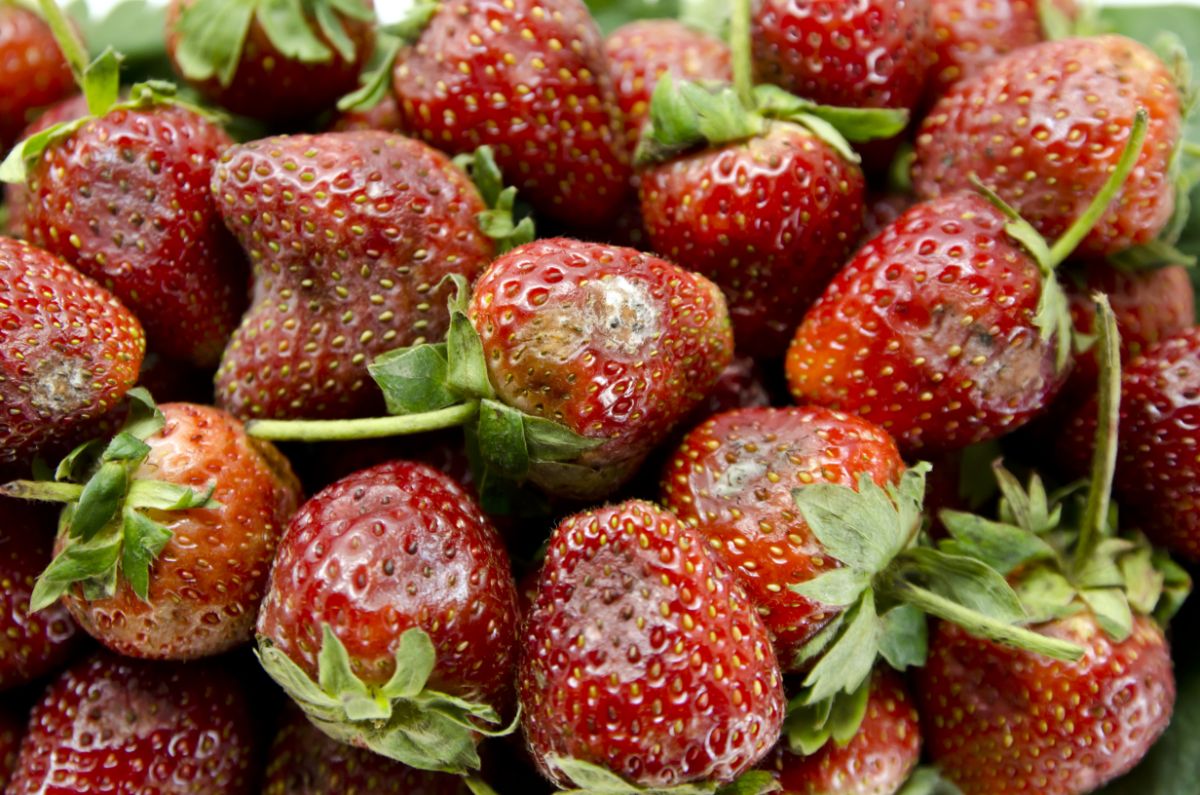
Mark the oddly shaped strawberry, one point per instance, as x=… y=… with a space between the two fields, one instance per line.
x=997 y=720
x=877 y=760
x=530 y=78
x=1045 y=125
x=392 y=585
x=732 y=479
x=350 y=235
x=31 y=645
x=121 y=725
x=69 y=350
x=643 y=656
x=32 y=70
x=278 y=63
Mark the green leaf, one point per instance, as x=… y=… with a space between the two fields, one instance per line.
x=835 y=588
x=100 y=500
x=415 y=660
x=684 y=115
x=861 y=529
x=1177 y=586
x=502 y=439
x=144 y=539
x=904 y=637
x=125 y=447
x=409 y=27
x=145 y=419
x=848 y=712
x=590 y=777
x=967 y=582
x=211 y=36
x=928 y=781
x=101 y=83
x=295 y=682
x=755 y=782
x=42 y=490
x=818 y=643
x=611 y=14
x=163 y=496
x=848 y=661
x=1002 y=546
x=15 y=168
x=709 y=16
x=478 y=786
x=499 y=220
x=806 y=728
x=337 y=678
x=851 y=124
x=554 y=442
x=376 y=80
x=79 y=562
x=482 y=169
x=287 y=27
x=413 y=380
x=1111 y=608
x=1055 y=24
x=333 y=29
x=1046 y=595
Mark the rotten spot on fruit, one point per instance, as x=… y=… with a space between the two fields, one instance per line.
x=60 y=385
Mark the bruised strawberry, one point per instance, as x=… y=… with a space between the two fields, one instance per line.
x=1044 y=126
x=350 y=235
x=732 y=479
x=32 y=70
x=69 y=350
x=643 y=657
x=530 y=78
x=114 y=724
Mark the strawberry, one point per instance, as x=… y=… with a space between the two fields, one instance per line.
x=384 y=116
x=69 y=350
x=304 y=761
x=875 y=760
x=32 y=70
x=16 y=194
x=391 y=616
x=111 y=724
x=1044 y=126
x=350 y=235
x=12 y=729
x=732 y=479
x=278 y=63
x=31 y=646
x=741 y=385
x=182 y=491
x=642 y=659
x=530 y=78
x=882 y=210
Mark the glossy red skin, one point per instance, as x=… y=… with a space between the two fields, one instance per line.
x=864 y=54
x=1024 y=125
x=530 y=78
x=612 y=343
x=732 y=480
x=31 y=646
x=384 y=116
x=968 y=35
x=32 y=70
x=348 y=234
x=304 y=761
x=69 y=350
x=997 y=720
x=387 y=549
x=16 y=194
x=128 y=727
x=890 y=339
x=642 y=654
x=770 y=220
x=1158 y=477
x=269 y=86
x=125 y=199
x=642 y=51
x=876 y=761
x=12 y=729
x=206 y=585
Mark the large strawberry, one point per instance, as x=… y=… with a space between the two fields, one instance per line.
x=31 y=644
x=1044 y=126
x=69 y=350
x=391 y=616
x=350 y=235
x=643 y=663
x=168 y=533
x=119 y=725
x=32 y=69
x=271 y=61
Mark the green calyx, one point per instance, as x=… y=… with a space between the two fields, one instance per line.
x=212 y=33
x=591 y=779
x=108 y=534
x=376 y=80
x=926 y=780
x=498 y=221
x=401 y=719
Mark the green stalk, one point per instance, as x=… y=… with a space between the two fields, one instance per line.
x=68 y=40
x=42 y=490
x=739 y=44
x=369 y=428
x=1104 y=459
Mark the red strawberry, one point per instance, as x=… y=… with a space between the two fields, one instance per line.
x=271 y=62
x=643 y=656
x=32 y=70
x=31 y=646
x=304 y=761
x=877 y=760
x=12 y=729
x=125 y=199
x=350 y=235
x=997 y=720
x=1044 y=127
x=641 y=52
x=69 y=350
x=732 y=479
x=530 y=78
x=111 y=724
x=381 y=562
x=384 y=116
x=16 y=194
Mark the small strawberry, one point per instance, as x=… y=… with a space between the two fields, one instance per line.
x=163 y=553
x=530 y=78
x=31 y=645
x=32 y=69
x=274 y=62
x=12 y=729
x=1044 y=127
x=69 y=350
x=643 y=664
x=111 y=724
x=391 y=616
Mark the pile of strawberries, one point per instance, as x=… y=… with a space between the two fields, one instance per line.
x=518 y=409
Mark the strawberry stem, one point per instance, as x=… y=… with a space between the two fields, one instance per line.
x=739 y=45
x=366 y=428
x=1104 y=459
x=68 y=40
